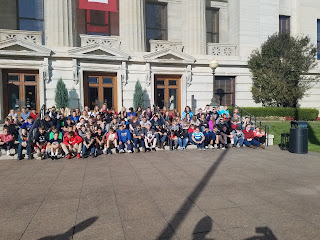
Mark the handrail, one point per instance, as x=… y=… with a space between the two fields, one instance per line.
x=30 y=133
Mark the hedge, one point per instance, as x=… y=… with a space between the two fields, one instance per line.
x=305 y=114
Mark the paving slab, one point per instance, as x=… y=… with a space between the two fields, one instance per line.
x=231 y=194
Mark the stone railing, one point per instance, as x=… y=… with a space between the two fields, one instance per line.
x=220 y=49
x=32 y=36
x=156 y=45
x=110 y=41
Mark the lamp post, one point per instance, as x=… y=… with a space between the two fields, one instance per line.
x=213 y=65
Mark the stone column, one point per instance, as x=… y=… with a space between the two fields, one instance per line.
x=2 y=114
x=132 y=25
x=194 y=27
x=60 y=22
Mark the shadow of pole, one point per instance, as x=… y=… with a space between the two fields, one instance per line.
x=72 y=231
x=179 y=217
x=267 y=234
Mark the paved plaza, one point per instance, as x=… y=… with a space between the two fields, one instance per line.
x=227 y=194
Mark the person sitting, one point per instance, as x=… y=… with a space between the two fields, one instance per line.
x=23 y=143
x=13 y=115
x=226 y=135
x=100 y=140
x=138 y=138
x=74 y=118
x=54 y=145
x=238 y=137
x=72 y=144
x=12 y=128
x=124 y=139
x=190 y=132
x=173 y=141
x=195 y=121
x=150 y=138
x=27 y=124
x=249 y=140
x=259 y=135
x=41 y=141
x=210 y=137
x=161 y=135
x=133 y=124
x=131 y=113
x=82 y=131
x=89 y=145
x=144 y=122
x=47 y=123
x=111 y=139
x=34 y=114
x=234 y=124
x=24 y=114
x=183 y=135
x=187 y=110
x=198 y=138
x=6 y=141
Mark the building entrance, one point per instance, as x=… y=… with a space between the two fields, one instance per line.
x=99 y=89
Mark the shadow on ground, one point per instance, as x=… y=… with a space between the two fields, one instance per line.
x=72 y=231
x=204 y=226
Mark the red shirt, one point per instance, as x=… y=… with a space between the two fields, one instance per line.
x=248 y=134
x=34 y=116
x=191 y=130
x=233 y=126
x=72 y=141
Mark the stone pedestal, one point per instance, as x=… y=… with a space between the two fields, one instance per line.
x=60 y=22
x=132 y=25
x=194 y=27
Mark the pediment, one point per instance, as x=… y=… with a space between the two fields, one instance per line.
x=101 y=52
x=169 y=56
x=19 y=47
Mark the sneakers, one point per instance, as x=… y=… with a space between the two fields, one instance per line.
x=223 y=146
x=121 y=151
x=251 y=146
x=206 y=147
x=218 y=148
x=136 y=150
x=262 y=146
x=69 y=156
x=129 y=151
x=154 y=149
x=105 y=151
x=78 y=155
x=212 y=147
x=53 y=157
x=8 y=153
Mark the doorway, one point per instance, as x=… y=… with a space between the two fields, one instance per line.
x=99 y=89
x=168 y=92
x=21 y=88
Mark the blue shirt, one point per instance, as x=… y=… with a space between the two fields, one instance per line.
x=197 y=136
x=208 y=135
x=124 y=135
x=24 y=116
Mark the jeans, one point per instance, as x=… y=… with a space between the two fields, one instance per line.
x=162 y=138
x=129 y=147
x=190 y=138
x=183 y=142
x=92 y=149
x=200 y=145
x=173 y=143
x=238 y=140
x=136 y=141
x=20 y=148
x=253 y=142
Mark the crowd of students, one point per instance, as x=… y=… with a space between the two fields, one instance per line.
x=66 y=133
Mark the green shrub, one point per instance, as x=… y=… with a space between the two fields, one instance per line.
x=305 y=114
x=61 y=95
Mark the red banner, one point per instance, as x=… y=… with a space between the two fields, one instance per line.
x=101 y=5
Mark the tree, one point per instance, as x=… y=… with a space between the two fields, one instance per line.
x=138 y=96
x=281 y=70
x=61 y=95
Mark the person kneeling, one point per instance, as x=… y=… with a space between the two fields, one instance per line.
x=249 y=140
x=55 y=146
x=89 y=143
x=124 y=139
x=198 y=138
x=72 y=144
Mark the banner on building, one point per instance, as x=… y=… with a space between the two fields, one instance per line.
x=102 y=5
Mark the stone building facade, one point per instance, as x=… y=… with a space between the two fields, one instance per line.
x=173 y=67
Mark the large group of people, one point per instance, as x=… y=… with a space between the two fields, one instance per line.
x=74 y=133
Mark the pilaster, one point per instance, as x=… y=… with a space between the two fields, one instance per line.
x=1 y=98
x=194 y=27
x=132 y=25
x=60 y=22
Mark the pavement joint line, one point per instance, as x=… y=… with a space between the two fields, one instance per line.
x=53 y=182
x=76 y=218
x=153 y=198
x=21 y=185
x=115 y=195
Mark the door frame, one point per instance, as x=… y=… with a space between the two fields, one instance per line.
x=167 y=77
x=20 y=72
x=100 y=86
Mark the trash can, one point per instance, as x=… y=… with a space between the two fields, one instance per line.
x=298 y=137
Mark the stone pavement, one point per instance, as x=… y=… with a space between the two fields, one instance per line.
x=226 y=194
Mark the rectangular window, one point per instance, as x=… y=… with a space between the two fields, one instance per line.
x=224 y=90
x=156 y=22
x=212 y=22
x=31 y=15
x=318 y=38
x=284 y=24
x=102 y=23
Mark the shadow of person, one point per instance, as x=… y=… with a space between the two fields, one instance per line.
x=267 y=234
x=72 y=231
x=203 y=227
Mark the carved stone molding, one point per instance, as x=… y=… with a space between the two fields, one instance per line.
x=110 y=41
x=189 y=75
x=124 y=73
x=46 y=76
x=219 y=49
x=30 y=36
x=76 y=71
x=148 y=74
